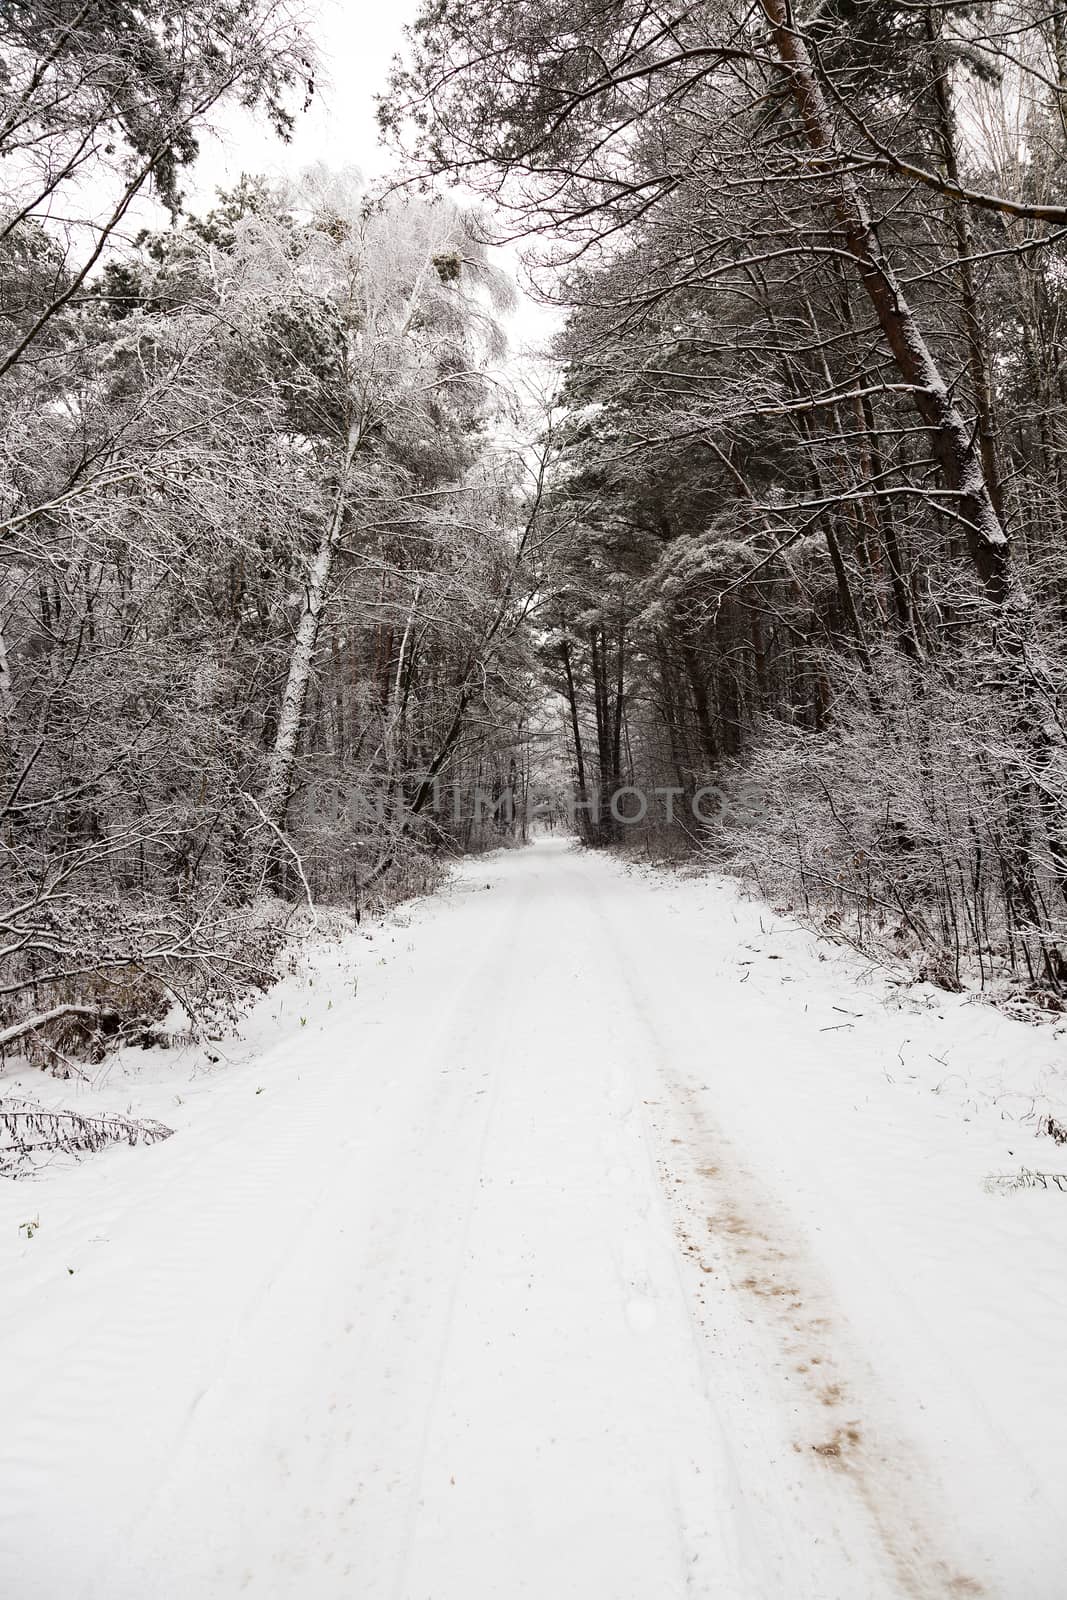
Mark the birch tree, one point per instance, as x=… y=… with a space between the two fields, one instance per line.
x=373 y=325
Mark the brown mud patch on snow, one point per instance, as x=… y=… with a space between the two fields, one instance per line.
x=743 y=1245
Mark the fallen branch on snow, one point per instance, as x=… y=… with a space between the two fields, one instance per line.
x=30 y=1024
x=1006 y=1182
x=28 y=1131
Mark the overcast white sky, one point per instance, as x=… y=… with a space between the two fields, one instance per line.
x=356 y=42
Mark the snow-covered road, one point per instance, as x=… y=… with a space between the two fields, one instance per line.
x=593 y=1236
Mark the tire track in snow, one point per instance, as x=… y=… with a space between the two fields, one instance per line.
x=573 y=1366
x=460 y=1040
x=738 y=1535
x=751 y=1250
x=769 y=1270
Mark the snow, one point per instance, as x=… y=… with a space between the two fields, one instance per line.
x=583 y=1232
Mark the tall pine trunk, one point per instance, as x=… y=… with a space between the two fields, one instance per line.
x=953 y=437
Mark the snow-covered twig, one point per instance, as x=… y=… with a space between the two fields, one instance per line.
x=280 y=836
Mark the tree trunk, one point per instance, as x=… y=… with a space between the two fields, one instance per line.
x=961 y=464
x=282 y=765
x=960 y=219
x=572 y=701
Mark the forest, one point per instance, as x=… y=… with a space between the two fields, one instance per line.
x=294 y=547
x=533 y=799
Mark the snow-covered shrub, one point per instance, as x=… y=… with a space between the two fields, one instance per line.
x=100 y=972
x=914 y=821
